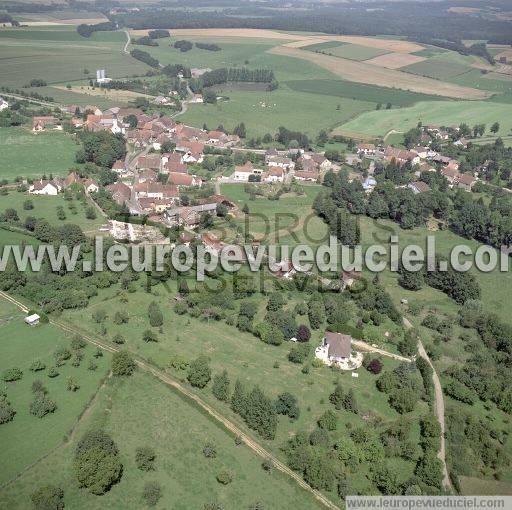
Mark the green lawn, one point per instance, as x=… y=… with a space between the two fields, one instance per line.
x=448 y=113
x=140 y=411
x=25 y=154
x=26 y=438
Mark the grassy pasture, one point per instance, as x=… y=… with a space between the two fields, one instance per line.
x=241 y=354
x=31 y=155
x=347 y=89
x=437 y=68
x=140 y=411
x=21 y=345
x=46 y=207
x=495 y=285
x=264 y=112
x=378 y=123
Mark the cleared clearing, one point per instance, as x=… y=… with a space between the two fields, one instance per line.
x=395 y=60
x=362 y=72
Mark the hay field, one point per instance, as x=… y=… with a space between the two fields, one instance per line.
x=395 y=60
x=362 y=72
x=254 y=33
x=111 y=94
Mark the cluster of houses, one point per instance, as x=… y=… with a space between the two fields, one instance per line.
x=56 y=185
x=422 y=159
x=280 y=167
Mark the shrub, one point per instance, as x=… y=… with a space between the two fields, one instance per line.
x=78 y=343
x=303 y=333
x=12 y=374
x=299 y=353
x=374 y=366
x=122 y=363
x=96 y=463
x=42 y=405
x=39 y=387
x=37 y=365
x=328 y=420
x=224 y=477
x=152 y=493
x=145 y=458
x=53 y=372
x=118 y=339
x=149 y=336
x=209 y=451
x=48 y=497
x=6 y=411
x=199 y=372
x=73 y=385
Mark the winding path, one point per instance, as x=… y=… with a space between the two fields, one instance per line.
x=439 y=408
x=166 y=379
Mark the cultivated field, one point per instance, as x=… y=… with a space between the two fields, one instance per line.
x=361 y=72
x=60 y=56
x=395 y=60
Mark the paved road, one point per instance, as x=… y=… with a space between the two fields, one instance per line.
x=439 y=408
x=168 y=380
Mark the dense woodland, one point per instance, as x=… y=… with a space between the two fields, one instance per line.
x=414 y=20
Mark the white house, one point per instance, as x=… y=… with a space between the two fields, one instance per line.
x=32 y=320
x=243 y=172
x=43 y=187
x=91 y=186
x=336 y=350
x=274 y=174
x=3 y=104
x=369 y=184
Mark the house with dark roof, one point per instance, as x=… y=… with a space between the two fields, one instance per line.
x=418 y=187
x=336 y=350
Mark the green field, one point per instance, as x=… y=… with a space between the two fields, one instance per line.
x=264 y=112
x=59 y=56
x=139 y=411
x=22 y=438
x=358 y=91
x=378 y=123
x=46 y=207
x=25 y=154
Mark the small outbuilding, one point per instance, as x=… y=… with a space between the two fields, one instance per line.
x=32 y=320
